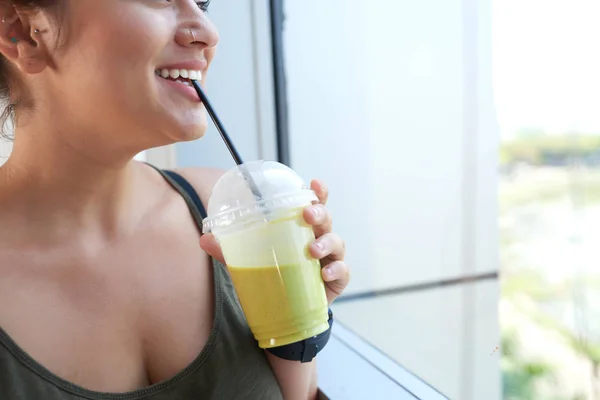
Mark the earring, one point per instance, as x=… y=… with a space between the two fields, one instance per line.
x=14 y=40
x=36 y=31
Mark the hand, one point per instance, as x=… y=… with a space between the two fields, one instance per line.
x=328 y=247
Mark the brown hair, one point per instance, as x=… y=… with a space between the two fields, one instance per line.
x=8 y=83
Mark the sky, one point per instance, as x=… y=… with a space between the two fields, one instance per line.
x=547 y=65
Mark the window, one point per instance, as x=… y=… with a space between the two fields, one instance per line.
x=547 y=82
x=351 y=368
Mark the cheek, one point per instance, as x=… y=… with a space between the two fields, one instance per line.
x=125 y=45
x=114 y=60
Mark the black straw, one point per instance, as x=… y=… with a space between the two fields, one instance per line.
x=218 y=124
x=234 y=153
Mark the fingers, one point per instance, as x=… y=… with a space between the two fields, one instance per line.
x=210 y=245
x=320 y=190
x=318 y=216
x=337 y=277
x=329 y=245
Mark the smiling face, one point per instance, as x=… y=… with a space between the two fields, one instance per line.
x=121 y=69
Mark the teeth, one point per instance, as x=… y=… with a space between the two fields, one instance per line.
x=186 y=82
x=176 y=73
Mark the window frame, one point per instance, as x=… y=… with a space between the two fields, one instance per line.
x=352 y=368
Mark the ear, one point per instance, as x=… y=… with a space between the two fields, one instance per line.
x=21 y=43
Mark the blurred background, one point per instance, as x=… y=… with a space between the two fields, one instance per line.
x=547 y=94
x=460 y=140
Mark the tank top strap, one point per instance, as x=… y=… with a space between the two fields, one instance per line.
x=189 y=194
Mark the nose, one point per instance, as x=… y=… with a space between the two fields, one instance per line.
x=197 y=31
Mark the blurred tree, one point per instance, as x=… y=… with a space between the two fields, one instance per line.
x=568 y=294
x=520 y=376
x=550 y=149
x=579 y=343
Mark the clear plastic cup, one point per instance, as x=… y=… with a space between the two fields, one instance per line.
x=255 y=213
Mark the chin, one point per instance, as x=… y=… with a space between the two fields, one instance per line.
x=173 y=130
x=190 y=133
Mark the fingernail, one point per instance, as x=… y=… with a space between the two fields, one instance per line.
x=319 y=246
x=316 y=211
x=329 y=273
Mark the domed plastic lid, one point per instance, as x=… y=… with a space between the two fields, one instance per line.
x=252 y=192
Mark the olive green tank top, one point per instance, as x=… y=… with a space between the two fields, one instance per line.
x=231 y=365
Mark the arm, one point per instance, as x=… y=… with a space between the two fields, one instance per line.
x=297 y=381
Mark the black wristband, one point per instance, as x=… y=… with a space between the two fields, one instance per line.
x=304 y=350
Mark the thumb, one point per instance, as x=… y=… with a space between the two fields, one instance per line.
x=209 y=244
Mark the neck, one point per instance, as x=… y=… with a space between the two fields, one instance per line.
x=71 y=184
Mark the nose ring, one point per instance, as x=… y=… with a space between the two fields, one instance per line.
x=193 y=35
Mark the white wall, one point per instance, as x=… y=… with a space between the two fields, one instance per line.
x=330 y=128
x=391 y=103
x=5 y=144
x=5 y=149
x=381 y=109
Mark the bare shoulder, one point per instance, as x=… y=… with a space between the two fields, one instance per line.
x=202 y=179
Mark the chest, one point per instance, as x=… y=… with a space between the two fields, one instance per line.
x=110 y=319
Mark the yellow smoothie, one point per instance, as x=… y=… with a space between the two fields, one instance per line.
x=283 y=304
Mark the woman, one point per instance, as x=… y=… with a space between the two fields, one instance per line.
x=106 y=289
